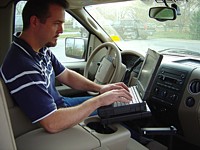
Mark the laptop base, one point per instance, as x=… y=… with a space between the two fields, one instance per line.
x=127 y=117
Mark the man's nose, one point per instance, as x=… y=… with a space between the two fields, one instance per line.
x=61 y=28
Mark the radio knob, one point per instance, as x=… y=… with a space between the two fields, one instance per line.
x=161 y=77
x=174 y=97
x=179 y=82
x=164 y=93
x=156 y=90
x=182 y=76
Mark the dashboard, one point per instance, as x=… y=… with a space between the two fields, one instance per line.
x=175 y=94
x=129 y=60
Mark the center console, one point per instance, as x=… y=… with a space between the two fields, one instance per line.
x=167 y=92
x=113 y=136
x=88 y=135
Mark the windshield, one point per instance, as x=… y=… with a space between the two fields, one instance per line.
x=129 y=25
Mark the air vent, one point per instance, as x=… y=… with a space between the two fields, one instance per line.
x=195 y=86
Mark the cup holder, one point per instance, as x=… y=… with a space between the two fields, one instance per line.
x=99 y=128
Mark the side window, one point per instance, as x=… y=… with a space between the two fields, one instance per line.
x=18 y=16
x=71 y=44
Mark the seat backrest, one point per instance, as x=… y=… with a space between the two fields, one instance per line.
x=21 y=124
x=7 y=141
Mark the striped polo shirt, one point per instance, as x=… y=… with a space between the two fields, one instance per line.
x=30 y=78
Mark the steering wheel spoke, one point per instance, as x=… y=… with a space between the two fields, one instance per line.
x=110 y=67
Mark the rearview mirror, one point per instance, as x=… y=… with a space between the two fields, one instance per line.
x=162 y=13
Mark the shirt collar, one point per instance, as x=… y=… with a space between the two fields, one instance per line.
x=26 y=46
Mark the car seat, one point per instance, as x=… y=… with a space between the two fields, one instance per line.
x=20 y=134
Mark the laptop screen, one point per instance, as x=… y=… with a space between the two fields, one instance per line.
x=147 y=72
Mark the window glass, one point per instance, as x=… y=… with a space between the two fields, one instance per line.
x=129 y=25
x=18 y=16
x=72 y=29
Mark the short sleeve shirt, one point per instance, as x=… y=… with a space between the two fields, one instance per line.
x=30 y=78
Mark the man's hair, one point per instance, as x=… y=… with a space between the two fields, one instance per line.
x=40 y=9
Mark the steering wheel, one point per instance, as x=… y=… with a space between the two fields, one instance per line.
x=110 y=68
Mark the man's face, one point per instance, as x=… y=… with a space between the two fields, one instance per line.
x=50 y=30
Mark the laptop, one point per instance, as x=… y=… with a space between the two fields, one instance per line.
x=138 y=107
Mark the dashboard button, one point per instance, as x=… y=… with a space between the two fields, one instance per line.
x=190 y=102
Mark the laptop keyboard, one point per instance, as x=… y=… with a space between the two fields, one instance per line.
x=135 y=98
x=120 y=108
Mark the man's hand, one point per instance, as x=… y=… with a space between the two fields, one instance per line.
x=114 y=86
x=109 y=97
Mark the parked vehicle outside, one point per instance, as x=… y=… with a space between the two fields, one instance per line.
x=130 y=29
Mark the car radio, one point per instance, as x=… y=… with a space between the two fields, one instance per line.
x=168 y=85
x=167 y=92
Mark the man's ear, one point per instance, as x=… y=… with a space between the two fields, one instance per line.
x=34 y=21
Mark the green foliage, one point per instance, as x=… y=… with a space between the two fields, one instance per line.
x=195 y=26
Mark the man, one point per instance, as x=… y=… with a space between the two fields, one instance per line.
x=31 y=82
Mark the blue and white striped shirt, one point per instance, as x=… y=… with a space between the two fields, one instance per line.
x=30 y=78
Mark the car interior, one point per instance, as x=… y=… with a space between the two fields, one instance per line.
x=92 y=46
